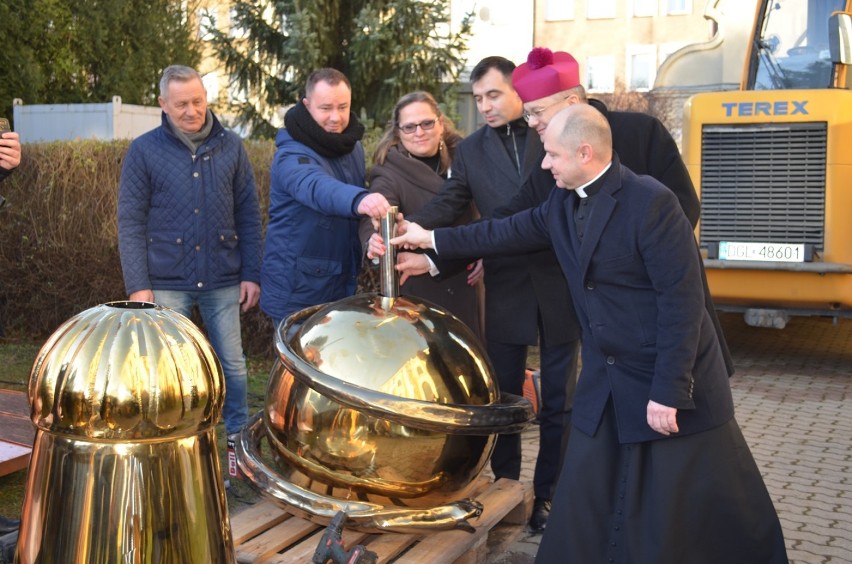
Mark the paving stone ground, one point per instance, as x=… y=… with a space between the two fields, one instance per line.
x=793 y=395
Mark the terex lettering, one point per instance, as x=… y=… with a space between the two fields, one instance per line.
x=780 y=108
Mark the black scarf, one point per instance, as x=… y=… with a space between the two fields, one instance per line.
x=304 y=129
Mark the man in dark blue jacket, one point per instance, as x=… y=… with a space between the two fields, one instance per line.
x=312 y=253
x=189 y=225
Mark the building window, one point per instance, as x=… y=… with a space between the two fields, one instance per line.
x=678 y=7
x=641 y=67
x=600 y=74
x=558 y=10
x=211 y=84
x=236 y=95
x=644 y=8
x=235 y=29
x=598 y=9
x=206 y=23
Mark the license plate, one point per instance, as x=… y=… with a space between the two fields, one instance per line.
x=767 y=252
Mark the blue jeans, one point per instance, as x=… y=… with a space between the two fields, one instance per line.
x=220 y=311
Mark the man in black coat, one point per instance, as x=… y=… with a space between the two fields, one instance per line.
x=549 y=82
x=525 y=301
x=657 y=469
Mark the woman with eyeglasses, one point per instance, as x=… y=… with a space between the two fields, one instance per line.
x=411 y=162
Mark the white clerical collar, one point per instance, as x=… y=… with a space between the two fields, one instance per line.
x=581 y=190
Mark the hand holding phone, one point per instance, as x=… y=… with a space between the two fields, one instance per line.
x=10 y=146
x=4 y=127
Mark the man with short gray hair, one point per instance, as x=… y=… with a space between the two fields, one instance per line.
x=189 y=228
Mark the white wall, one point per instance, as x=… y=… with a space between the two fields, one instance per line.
x=59 y=122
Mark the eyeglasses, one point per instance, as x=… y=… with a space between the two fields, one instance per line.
x=425 y=125
x=537 y=113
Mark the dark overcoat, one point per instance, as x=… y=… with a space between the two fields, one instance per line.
x=409 y=184
x=628 y=493
x=645 y=146
x=636 y=286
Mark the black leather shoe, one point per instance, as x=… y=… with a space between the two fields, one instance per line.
x=540 y=513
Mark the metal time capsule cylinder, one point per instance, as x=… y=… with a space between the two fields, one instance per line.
x=125 y=398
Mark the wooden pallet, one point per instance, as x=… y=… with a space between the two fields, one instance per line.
x=16 y=432
x=266 y=533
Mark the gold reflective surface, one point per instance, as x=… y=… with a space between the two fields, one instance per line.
x=387 y=402
x=317 y=502
x=125 y=397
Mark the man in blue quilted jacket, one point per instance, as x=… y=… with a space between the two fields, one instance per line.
x=189 y=225
x=312 y=253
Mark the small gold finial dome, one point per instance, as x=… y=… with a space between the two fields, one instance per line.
x=126 y=370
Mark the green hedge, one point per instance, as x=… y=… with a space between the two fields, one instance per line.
x=58 y=236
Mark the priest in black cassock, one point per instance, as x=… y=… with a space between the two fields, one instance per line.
x=656 y=468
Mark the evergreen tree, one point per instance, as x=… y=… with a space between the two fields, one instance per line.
x=71 y=51
x=385 y=47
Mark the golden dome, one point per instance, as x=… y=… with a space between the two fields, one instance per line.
x=126 y=371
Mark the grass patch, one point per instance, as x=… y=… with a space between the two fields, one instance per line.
x=17 y=361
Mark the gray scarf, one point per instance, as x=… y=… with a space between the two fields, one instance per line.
x=194 y=140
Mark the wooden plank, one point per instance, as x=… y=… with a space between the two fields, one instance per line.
x=389 y=545
x=15 y=424
x=448 y=546
x=256 y=519
x=268 y=533
x=14 y=403
x=520 y=515
x=13 y=458
x=274 y=540
x=304 y=551
x=16 y=432
x=475 y=554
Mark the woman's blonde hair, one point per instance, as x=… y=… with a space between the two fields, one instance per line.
x=449 y=139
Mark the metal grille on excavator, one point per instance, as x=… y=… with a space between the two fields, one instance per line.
x=763 y=183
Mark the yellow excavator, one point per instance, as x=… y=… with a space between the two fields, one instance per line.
x=772 y=161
